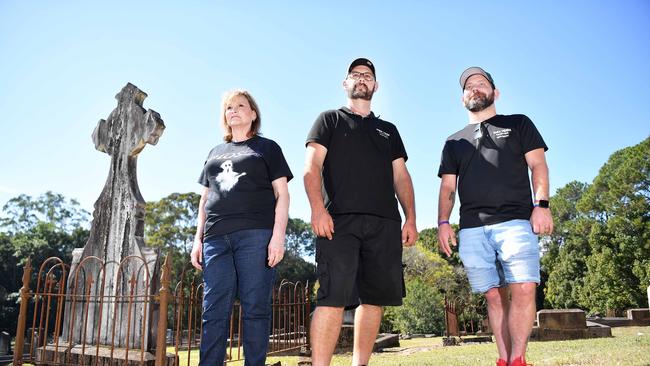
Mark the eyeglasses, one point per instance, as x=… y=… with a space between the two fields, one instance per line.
x=367 y=76
x=477 y=133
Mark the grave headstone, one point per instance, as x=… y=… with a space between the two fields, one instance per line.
x=5 y=343
x=563 y=324
x=116 y=234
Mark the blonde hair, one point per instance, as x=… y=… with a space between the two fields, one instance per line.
x=255 y=125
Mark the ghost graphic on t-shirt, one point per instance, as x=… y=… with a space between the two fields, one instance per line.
x=228 y=178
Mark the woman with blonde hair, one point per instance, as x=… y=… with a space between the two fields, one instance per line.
x=240 y=233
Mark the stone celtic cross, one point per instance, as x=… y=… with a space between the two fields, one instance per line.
x=118 y=219
x=116 y=233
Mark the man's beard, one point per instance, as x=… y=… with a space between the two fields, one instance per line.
x=479 y=101
x=358 y=92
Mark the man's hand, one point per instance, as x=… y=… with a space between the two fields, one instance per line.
x=409 y=234
x=541 y=221
x=275 y=252
x=446 y=236
x=322 y=224
x=196 y=256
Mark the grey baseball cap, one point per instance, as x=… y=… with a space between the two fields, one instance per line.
x=474 y=70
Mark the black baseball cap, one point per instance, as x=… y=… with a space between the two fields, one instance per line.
x=362 y=62
x=474 y=70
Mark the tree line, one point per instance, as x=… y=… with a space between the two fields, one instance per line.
x=598 y=258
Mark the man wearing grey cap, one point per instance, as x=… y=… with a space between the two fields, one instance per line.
x=355 y=166
x=500 y=218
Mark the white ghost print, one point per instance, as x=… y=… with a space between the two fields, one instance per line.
x=228 y=178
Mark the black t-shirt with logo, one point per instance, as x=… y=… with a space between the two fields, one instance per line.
x=238 y=176
x=358 y=168
x=488 y=159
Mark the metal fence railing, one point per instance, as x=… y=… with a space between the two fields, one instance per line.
x=74 y=321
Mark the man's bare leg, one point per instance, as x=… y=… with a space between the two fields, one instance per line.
x=498 y=305
x=521 y=316
x=324 y=333
x=367 y=319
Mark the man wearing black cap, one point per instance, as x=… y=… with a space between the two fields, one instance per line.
x=499 y=216
x=355 y=166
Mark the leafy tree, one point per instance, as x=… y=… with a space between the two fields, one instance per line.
x=565 y=281
x=422 y=310
x=48 y=226
x=23 y=212
x=428 y=239
x=599 y=256
x=429 y=266
x=300 y=240
x=170 y=224
x=429 y=279
x=566 y=251
x=294 y=268
x=619 y=200
x=605 y=288
x=171 y=221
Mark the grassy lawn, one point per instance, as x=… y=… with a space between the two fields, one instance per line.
x=628 y=347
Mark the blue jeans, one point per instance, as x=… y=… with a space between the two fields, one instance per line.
x=236 y=264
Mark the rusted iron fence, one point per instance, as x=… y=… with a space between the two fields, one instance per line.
x=465 y=313
x=60 y=308
x=291 y=310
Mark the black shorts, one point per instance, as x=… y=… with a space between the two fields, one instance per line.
x=362 y=264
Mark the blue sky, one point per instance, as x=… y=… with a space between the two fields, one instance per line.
x=578 y=69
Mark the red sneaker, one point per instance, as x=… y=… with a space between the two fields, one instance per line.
x=501 y=362
x=520 y=361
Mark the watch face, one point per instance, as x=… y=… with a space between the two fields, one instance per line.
x=543 y=204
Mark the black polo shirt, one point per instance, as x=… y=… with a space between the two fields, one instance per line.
x=493 y=183
x=358 y=168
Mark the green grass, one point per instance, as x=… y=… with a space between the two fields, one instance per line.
x=628 y=347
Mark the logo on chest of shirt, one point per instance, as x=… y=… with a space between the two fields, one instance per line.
x=383 y=134
x=228 y=178
x=502 y=133
x=232 y=155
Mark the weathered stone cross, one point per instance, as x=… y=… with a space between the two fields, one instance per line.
x=117 y=232
x=118 y=224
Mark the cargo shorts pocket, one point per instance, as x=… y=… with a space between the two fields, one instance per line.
x=323 y=281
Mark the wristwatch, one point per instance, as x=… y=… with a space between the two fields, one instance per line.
x=542 y=204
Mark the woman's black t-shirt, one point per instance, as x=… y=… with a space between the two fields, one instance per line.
x=238 y=176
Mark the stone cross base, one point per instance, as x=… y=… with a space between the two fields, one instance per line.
x=78 y=356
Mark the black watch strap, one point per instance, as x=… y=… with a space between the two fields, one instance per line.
x=543 y=204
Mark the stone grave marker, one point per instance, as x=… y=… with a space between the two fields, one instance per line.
x=5 y=343
x=116 y=234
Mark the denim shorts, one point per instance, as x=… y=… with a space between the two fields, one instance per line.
x=499 y=254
